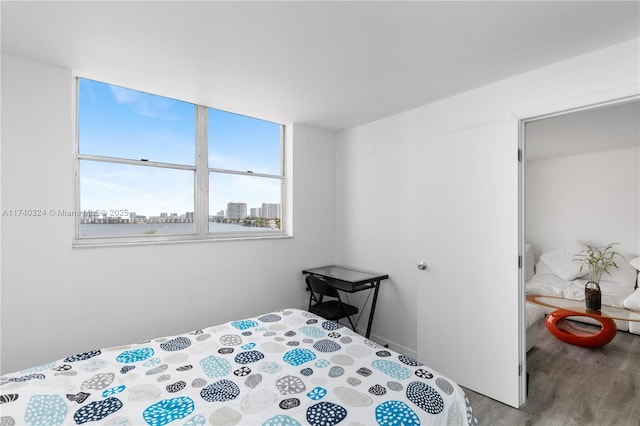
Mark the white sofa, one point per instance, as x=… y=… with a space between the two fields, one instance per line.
x=556 y=274
x=534 y=313
x=633 y=301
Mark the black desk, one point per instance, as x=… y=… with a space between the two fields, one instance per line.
x=352 y=280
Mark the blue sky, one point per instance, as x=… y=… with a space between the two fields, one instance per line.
x=124 y=123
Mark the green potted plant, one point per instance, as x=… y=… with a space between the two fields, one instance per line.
x=597 y=261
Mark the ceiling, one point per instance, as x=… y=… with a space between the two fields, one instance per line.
x=591 y=130
x=332 y=64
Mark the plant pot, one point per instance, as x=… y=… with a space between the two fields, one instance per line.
x=592 y=296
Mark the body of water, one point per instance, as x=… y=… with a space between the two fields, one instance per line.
x=137 y=229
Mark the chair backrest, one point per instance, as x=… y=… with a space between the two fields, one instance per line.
x=320 y=286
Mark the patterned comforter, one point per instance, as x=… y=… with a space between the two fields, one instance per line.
x=283 y=368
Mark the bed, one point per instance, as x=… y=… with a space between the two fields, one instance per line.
x=288 y=367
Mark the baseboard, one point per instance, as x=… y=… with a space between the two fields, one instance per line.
x=382 y=341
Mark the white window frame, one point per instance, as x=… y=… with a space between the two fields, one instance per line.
x=201 y=170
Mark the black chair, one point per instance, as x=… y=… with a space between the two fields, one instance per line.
x=330 y=309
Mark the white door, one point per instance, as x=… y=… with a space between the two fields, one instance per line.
x=468 y=296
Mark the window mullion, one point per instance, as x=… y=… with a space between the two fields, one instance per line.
x=201 y=189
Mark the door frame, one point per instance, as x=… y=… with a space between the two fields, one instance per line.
x=629 y=93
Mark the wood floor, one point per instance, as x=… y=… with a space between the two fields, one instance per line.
x=570 y=385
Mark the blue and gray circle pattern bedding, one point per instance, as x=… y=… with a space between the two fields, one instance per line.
x=283 y=368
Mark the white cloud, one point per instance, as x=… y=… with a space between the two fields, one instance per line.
x=218 y=160
x=143 y=103
x=96 y=184
x=124 y=96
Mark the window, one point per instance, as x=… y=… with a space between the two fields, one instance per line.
x=152 y=168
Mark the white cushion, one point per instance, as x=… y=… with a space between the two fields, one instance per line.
x=633 y=301
x=635 y=263
x=624 y=274
x=611 y=288
x=560 y=261
x=545 y=284
x=528 y=262
x=533 y=314
x=543 y=269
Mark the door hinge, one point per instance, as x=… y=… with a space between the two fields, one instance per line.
x=519 y=261
x=519 y=155
x=519 y=369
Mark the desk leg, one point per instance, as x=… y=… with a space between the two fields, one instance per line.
x=373 y=307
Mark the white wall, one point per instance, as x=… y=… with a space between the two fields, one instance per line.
x=378 y=172
x=593 y=197
x=583 y=178
x=57 y=300
x=597 y=128
x=377 y=184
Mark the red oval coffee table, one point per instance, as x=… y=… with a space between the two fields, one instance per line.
x=566 y=331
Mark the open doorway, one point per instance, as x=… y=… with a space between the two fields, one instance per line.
x=581 y=173
x=582 y=178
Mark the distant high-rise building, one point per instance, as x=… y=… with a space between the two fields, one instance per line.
x=217 y=216
x=256 y=212
x=236 y=210
x=270 y=210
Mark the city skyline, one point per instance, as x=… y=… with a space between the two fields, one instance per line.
x=117 y=216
